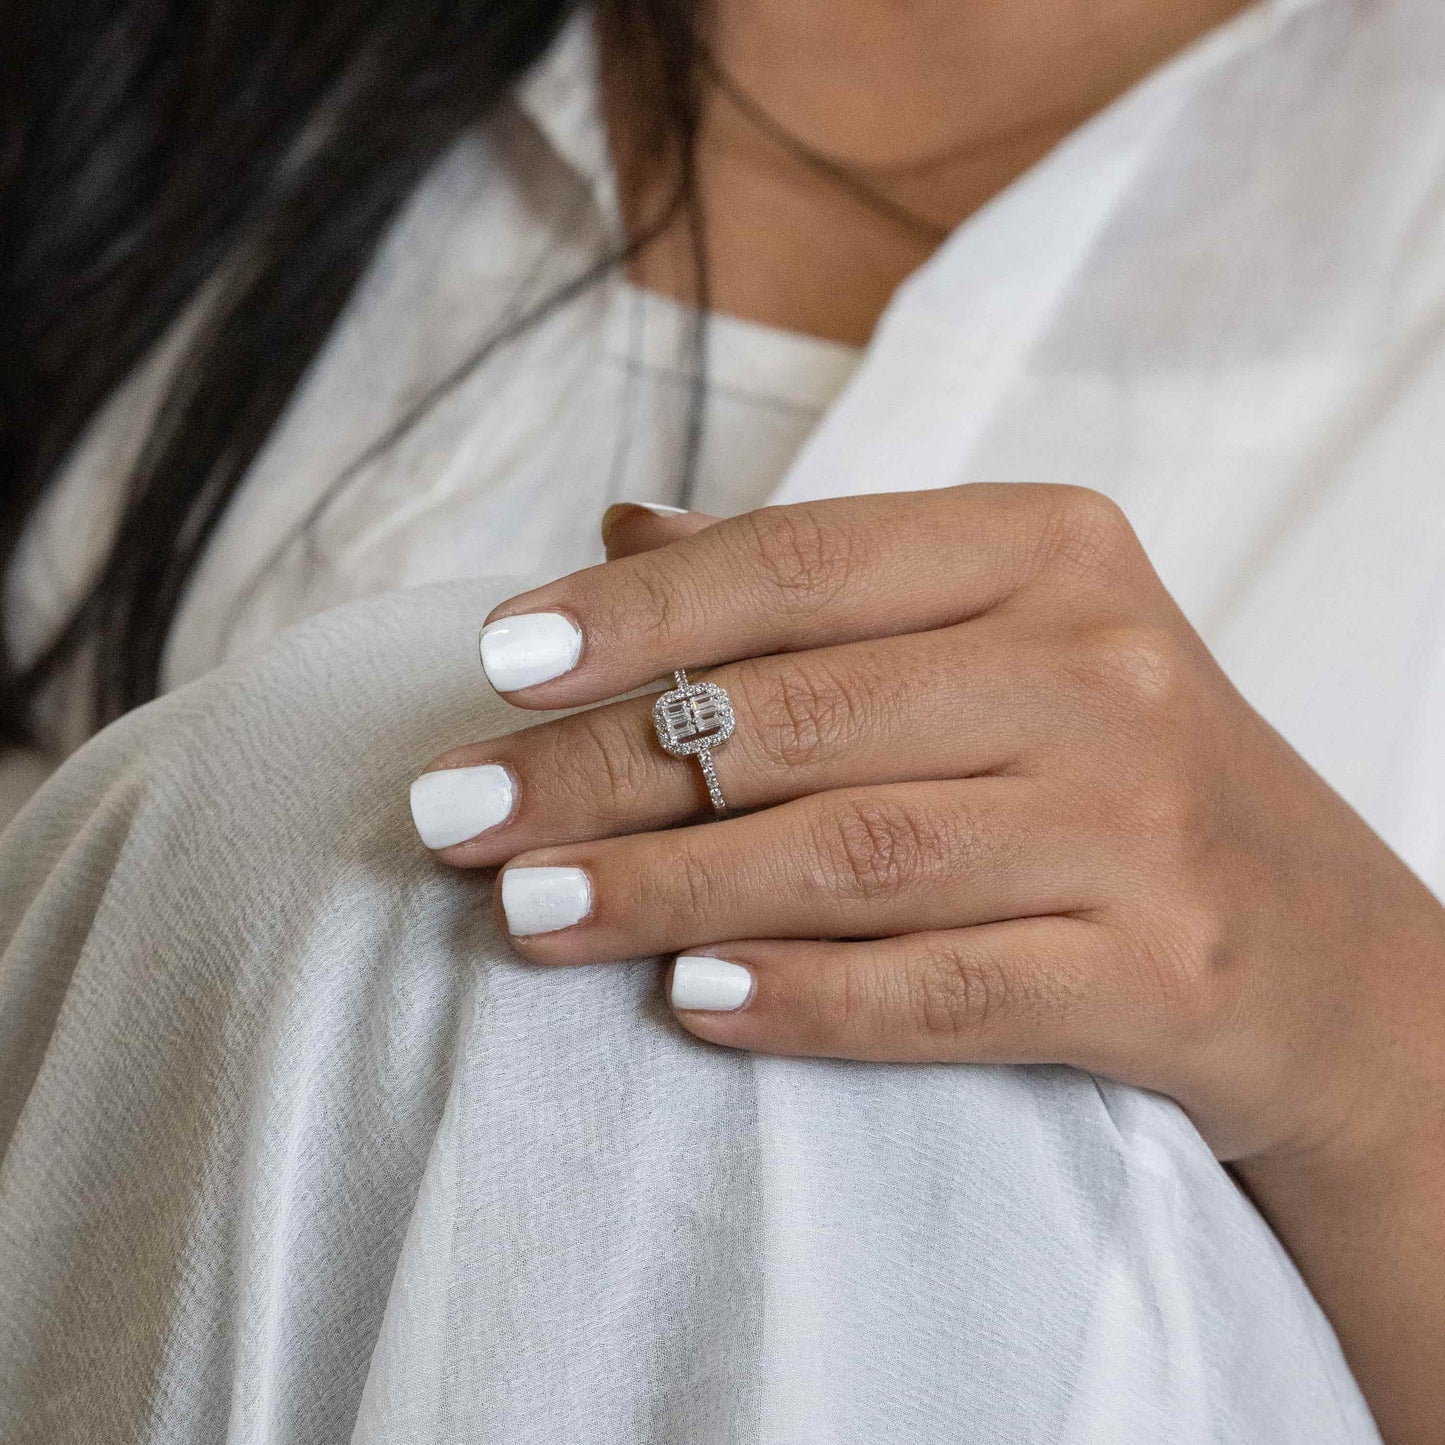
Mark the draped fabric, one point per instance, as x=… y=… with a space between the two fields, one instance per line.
x=295 y=1150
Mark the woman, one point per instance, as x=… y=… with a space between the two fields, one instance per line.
x=273 y=1162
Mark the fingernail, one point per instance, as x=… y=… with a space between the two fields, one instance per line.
x=451 y=805
x=710 y=983
x=618 y=510
x=542 y=900
x=521 y=651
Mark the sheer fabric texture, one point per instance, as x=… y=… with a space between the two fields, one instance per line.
x=301 y=1153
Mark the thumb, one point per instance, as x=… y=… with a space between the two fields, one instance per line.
x=632 y=527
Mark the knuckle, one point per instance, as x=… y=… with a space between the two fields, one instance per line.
x=1134 y=665
x=839 y=1016
x=872 y=848
x=1185 y=967
x=1204 y=949
x=861 y=1008
x=657 y=603
x=599 y=766
x=801 y=712
x=805 y=560
x=850 y=1011
x=678 y=892
x=695 y=885
x=952 y=993
x=1085 y=530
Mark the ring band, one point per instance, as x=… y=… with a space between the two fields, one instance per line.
x=692 y=720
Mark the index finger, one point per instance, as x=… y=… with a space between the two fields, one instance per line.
x=777 y=580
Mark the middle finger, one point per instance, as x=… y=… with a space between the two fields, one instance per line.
x=859 y=863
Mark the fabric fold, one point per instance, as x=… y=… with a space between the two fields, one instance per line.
x=311 y=1157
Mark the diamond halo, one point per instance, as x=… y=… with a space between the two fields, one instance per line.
x=691 y=720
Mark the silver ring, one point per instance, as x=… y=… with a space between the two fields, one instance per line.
x=692 y=720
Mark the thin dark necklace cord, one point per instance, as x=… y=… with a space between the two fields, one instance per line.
x=842 y=176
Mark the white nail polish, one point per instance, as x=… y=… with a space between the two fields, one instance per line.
x=542 y=900
x=521 y=651
x=661 y=509
x=451 y=805
x=710 y=983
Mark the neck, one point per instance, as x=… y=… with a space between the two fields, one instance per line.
x=841 y=140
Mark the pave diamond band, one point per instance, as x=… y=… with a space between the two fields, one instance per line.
x=692 y=720
x=709 y=776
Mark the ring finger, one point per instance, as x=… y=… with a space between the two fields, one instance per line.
x=949 y=704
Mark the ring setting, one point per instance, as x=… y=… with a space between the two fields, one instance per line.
x=692 y=720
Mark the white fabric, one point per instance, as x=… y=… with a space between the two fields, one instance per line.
x=302 y=1154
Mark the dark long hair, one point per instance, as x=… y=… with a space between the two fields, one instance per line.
x=150 y=147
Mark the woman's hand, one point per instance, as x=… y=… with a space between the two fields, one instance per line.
x=1008 y=808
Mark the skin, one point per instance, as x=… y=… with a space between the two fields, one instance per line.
x=1004 y=804
x=935 y=105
